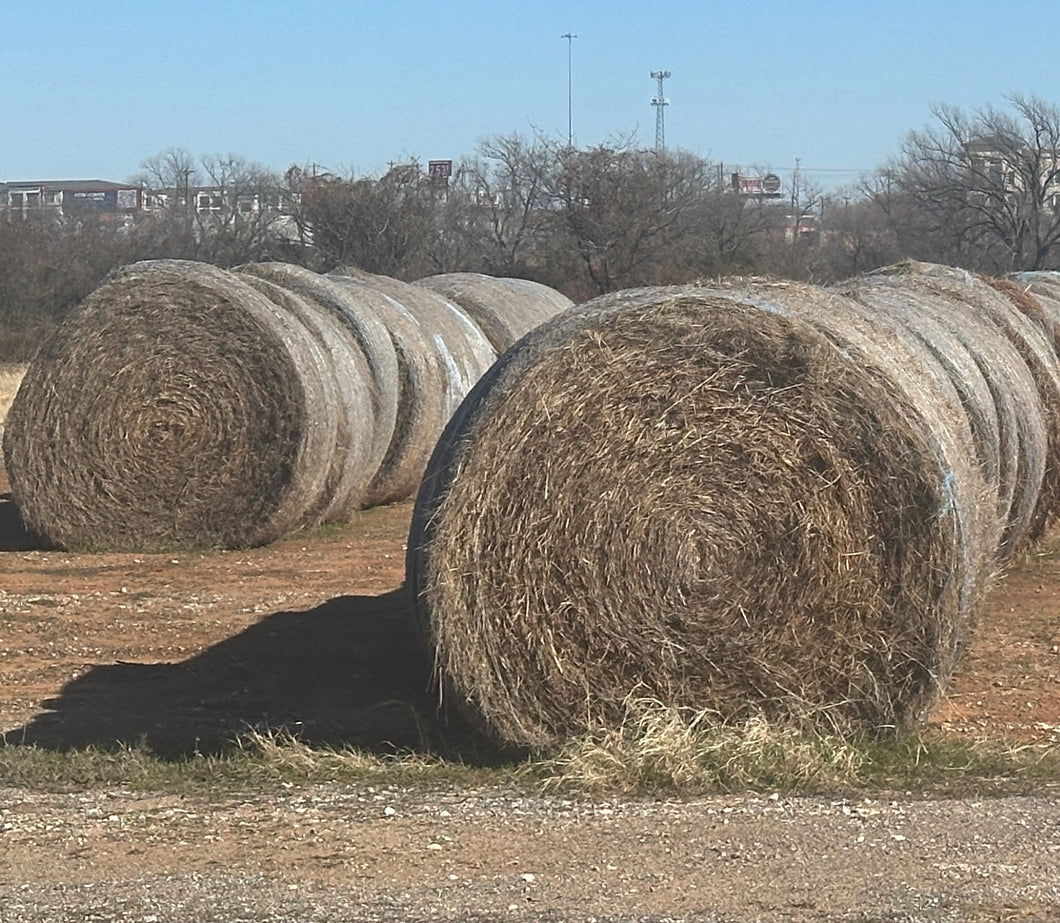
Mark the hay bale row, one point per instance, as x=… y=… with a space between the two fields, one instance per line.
x=977 y=337
x=184 y=405
x=504 y=309
x=748 y=499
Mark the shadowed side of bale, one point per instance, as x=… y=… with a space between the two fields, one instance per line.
x=1029 y=379
x=506 y=309
x=347 y=424
x=695 y=496
x=905 y=366
x=423 y=403
x=369 y=331
x=462 y=347
x=173 y=408
x=995 y=388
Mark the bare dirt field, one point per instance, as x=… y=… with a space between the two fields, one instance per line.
x=183 y=652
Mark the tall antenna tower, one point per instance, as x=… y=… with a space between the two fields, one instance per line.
x=660 y=103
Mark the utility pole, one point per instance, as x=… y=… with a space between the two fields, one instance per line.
x=660 y=103
x=570 y=37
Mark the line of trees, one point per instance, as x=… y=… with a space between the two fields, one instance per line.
x=977 y=189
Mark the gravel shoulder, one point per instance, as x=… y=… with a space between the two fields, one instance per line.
x=378 y=853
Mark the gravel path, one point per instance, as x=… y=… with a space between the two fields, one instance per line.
x=369 y=853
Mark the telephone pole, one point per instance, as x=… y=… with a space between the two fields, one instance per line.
x=570 y=37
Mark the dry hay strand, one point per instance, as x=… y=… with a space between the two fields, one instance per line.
x=462 y=348
x=423 y=403
x=695 y=497
x=174 y=408
x=1044 y=288
x=345 y=417
x=506 y=309
x=1018 y=360
x=369 y=332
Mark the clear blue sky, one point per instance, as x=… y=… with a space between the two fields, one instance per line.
x=91 y=88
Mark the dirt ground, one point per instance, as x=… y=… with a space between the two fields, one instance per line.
x=185 y=651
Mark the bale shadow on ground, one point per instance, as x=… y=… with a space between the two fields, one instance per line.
x=351 y=672
x=13 y=534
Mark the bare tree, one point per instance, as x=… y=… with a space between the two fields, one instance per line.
x=223 y=210
x=242 y=216
x=172 y=173
x=624 y=211
x=857 y=235
x=986 y=185
x=506 y=190
x=380 y=225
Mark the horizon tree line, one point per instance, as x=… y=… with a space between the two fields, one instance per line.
x=977 y=189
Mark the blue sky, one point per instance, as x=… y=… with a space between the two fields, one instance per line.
x=92 y=88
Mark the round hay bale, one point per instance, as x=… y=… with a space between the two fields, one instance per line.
x=423 y=399
x=1024 y=377
x=691 y=495
x=504 y=308
x=1028 y=304
x=175 y=407
x=370 y=333
x=1043 y=288
x=463 y=349
x=346 y=420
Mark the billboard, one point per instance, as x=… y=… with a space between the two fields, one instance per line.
x=439 y=169
x=101 y=200
x=768 y=185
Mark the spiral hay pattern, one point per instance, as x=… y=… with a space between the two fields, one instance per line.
x=172 y=410
x=695 y=495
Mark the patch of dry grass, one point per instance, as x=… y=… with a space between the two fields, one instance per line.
x=659 y=751
x=661 y=748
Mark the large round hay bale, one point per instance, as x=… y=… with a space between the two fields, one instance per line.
x=698 y=496
x=1015 y=357
x=423 y=394
x=176 y=407
x=462 y=347
x=505 y=308
x=369 y=332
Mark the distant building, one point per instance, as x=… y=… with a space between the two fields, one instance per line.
x=68 y=198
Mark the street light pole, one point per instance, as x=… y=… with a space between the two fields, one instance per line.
x=569 y=36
